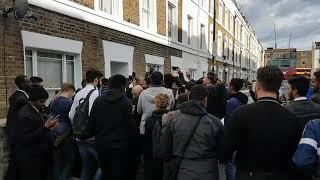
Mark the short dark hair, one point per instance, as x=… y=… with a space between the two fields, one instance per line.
x=236 y=83
x=182 y=98
x=270 y=78
x=84 y=83
x=199 y=81
x=168 y=81
x=20 y=81
x=212 y=77
x=36 y=80
x=198 y=92
x=317 y=75
x=118 y=81
x=301 y=84
x=156 y=78
x=91 y=75
x=104 y=81
x=38 y=93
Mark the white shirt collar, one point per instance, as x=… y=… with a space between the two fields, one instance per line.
x=90 y=86
x=24 y=93
x=300 y=99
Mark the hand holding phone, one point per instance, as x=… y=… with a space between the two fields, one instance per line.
x=52 y=122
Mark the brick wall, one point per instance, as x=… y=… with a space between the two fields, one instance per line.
x=161 y=17
x=54 y=24
x=308 y=57
x=86 y=3
x=131 y=11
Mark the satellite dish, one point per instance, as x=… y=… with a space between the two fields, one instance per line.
x=20 y=8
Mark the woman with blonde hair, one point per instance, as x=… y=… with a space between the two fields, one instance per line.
x=153 y=166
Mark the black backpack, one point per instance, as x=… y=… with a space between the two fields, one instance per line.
x=81 y=115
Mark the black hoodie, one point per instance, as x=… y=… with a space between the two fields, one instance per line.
x=111 y=120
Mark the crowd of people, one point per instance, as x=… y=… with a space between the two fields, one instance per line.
x=171 y=127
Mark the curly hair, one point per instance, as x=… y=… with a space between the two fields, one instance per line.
x=161 y=101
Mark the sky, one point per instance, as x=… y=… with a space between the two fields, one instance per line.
x=300 y=18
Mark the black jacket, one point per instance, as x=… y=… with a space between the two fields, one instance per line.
x=265 y=136
x=31 y=135
x=16 y=100
x=305 y=110
x=152 y=126
x=136 y=116
x=111 y=121
x=217 y=100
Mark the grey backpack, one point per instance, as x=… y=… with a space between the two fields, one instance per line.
x=81 y=115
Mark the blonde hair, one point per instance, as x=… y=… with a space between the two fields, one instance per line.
x=161 y=101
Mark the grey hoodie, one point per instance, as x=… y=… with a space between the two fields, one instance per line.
x=146 y=103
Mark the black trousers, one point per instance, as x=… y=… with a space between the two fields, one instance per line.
x=35 y=168
x=118 y=164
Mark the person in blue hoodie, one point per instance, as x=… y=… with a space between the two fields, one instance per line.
x=236 y=99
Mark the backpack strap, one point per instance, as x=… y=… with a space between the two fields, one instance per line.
x=88 y=96
x=185 y=146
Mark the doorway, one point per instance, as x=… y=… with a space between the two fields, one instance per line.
x=119 y=68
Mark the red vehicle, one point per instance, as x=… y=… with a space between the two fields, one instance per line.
x=291 y=72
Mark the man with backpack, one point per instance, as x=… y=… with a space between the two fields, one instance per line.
x=79 y=116
x=115 y=131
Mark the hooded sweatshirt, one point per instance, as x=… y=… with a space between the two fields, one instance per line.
x=146 y=103
x=235 y=100
x=111 y=120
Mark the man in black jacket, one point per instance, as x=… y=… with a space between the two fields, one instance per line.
x=303 y=108
x=16 y=100
x=217 y=97
x=33 y=138
x=265 y=135
x=115 y=131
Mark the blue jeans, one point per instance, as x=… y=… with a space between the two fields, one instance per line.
x=63 y=160
x=88 y=153
x=230 y=170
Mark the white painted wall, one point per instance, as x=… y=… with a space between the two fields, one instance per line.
x=114 y=52
x=155 y=60
x=197 y=63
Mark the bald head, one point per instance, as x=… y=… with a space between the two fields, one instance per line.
x=137 y=90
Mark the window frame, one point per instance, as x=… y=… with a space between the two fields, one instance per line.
x=211 y=5
x=220 y=13
x=303 y=62
x=190 y=30
x=64 y=60
x=202 y=36
x=226 y=18
x=146 y=12
x=100 y=2
x=173 y=25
